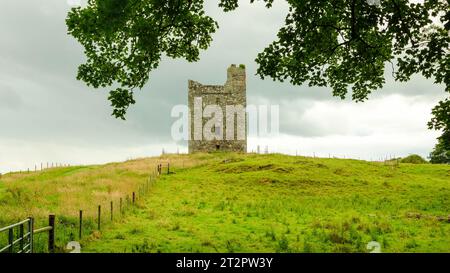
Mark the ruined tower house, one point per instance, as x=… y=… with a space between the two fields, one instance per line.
x=233 y=93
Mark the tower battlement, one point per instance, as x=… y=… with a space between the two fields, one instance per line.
x=232 y=93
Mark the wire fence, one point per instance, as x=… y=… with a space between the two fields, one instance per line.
x=87 y=222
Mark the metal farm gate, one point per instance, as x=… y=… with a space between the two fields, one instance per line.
x=20 y=237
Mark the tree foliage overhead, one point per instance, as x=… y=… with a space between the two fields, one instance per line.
x=345 y=44
x=124 y=41
x=341 y=44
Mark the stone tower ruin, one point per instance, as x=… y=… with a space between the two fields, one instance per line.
x=228 y=134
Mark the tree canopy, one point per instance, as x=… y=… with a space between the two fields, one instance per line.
x=341 y=44
x=441 y=151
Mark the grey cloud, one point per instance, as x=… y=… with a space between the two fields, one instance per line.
x=39 y=91
x=9 y=99
x=34 y=36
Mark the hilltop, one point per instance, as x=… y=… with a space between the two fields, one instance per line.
x=248 y=203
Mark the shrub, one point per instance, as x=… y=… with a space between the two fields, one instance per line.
x=441 y=152
x=414 y=159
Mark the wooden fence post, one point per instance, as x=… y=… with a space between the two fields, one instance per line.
x=81 y=225
x=99 y=216
x=51 y=233
x=134 y=197
x=112 y=212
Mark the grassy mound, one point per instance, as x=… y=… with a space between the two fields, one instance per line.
x=276 y=203
x=413 y=159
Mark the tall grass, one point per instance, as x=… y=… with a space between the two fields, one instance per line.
x=65 y=191
x=276 y=203
x=241 y=203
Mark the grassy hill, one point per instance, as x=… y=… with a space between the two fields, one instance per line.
x=248 y=203
x=67 y=190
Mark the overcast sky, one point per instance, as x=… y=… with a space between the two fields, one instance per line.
x=46 y=115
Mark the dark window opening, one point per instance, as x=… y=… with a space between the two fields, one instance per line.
x=217 y=147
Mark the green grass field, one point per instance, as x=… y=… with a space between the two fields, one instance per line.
x=264 y=203
x=67 y=190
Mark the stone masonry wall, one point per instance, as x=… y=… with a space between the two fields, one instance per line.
x=232 y=93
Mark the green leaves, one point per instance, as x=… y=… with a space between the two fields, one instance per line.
x=124 y=41
x=441 y=152
x=342 y=44
x=120 y=100
x=441 y=116
x=345 y=44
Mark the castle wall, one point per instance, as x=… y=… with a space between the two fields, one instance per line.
x=233 y=92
